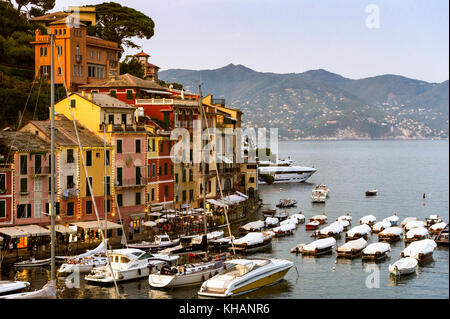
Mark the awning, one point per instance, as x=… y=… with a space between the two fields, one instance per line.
x=141 y=215
x=149 y=224
x=13 y=232
x=34 y=230
x=224 y=159
x=158 y=92
x=214 y=202
x=241 y=194
x=94 y=225
x=63 y=229
x=234 y=199
x=155 y=214
x=160 y=220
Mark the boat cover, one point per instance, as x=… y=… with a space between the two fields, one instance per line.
x=335 y=228
x=433 y=217
x=407 y=220
x=271 y=221
x=368 y=219
x=361 y=229
x=377 y=247
x=259 y=224
x=319 y=217
x=99 y=249
x=404 y=263
x=284 y=228
x=392 y=219
x=298 y=216
x=290 y=220
x=343 y=222
x=392 y=231
x=414 y=224
x=381 y=225
x=438 y=226
x=418 y=231
x=250 y=239
x=320 y=244
x=357 y=244
x=346 y=217
x=423 y=246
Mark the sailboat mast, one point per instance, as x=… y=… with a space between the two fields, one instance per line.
x=200 y=104
x=105 y=181
x=52 y=156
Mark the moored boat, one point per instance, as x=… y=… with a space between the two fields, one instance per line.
x=316 y=248
x=85 y=262
x=312 y=225
x=407 y=220
x=271 y=222
x=417 y=233
x=437 y=228
x=252 y=226
x=414 y=224
x=345 y=217
x=433 y=219
x=283 y=230
x=48 y=291
x=332 y=230
x=322 y=219
x=441 y=239
x=360 y=231
x=281 y=215
x=368 y=220
x=352 y=248
x=403 y=266
x=420 y=250
x=7 y=286
x=299 y=216
x=160 y=242
x=371 y=192
x=33 y=263
x=244 y=276
x=391 y=234
x=345 y=224
x=269 y=212
x=253 y=242
x=286 y=203
x=392 y=219
x=376 y=251
x=380 y=226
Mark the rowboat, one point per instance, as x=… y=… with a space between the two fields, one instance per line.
x=372 y=192
x=312 y=225
x=360 y=231
x=437 y=228
x=376 y=251
x=316 y=248
x=414 y=224
x=420 y=250
x=380 y=226
x=352 y=248
x=252 y=226
x=33 y=262
x=322 y=219
x=332 y=230
x=417 y=233
x=7 y=286
x=404 y=266
x=254 y=242
x=368 y=220
x=271 y=222
x=407 y=220
x=283 y=230
x=390 y=234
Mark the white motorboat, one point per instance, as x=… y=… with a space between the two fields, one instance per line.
x=420 y=250
x=352 y=248
x=254 y=242
x=368 y=220
x=316 y=248
x=285 y=174
x=128 y=264
x=7 y=286
x=404 y=266
x=187 y=275
x=376 y=251
x=47 y=292
x=85 y=262
x=244 y=276
x=160 y=242
x=358 y=232
x=33 y=263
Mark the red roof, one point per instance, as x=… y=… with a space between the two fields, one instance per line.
x=142 y=53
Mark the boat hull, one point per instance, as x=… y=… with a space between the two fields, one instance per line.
x=174 y=281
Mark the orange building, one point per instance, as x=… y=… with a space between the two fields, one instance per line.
x=79 y=58
x=150 y=70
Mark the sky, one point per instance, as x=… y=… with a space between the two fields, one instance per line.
x=354 y=38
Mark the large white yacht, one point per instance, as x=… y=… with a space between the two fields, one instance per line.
x=285 y=174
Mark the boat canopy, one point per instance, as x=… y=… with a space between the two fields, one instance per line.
x=251 y=239
x=320 y=217
x=392 y=231
x=361 y=229
x=343 y=222
x=298 y=216
x=289 y=220
x=357 y=244
x=423 y=246
x=404 y=263
x=271 y=220
x=377 y=248
x=320 y=244
x=284 y=227
x=368 y=219
x=418 y=231
x=99 y=249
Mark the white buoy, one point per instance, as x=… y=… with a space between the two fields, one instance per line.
x=334 y=268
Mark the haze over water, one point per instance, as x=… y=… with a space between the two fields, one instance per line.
x=401 y=171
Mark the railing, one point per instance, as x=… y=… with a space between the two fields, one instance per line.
x=123 y=128
x=166 y=102
x=131 y=182
x=43 y=170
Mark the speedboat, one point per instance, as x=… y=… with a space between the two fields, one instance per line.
x=187 y=275
x=318 y=196
x=7 y=286
x=281 y=215
x=220 y=243
x=268 y=213
x=245 y=275
x=253 y=242
x=215 y=235
x=404 y=266
x=352 y=248
x=32 y=263
x=160 y=242
x=285 y=174
x=128 y=264
x=299 y=216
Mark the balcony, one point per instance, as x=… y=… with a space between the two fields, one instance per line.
x=70 y=193
x=131 y=182
x=38 y=171
x=166 y=102
x=112 y=63
x=111 y=128
x=78 y=58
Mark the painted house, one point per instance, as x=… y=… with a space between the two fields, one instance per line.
x=6 y=188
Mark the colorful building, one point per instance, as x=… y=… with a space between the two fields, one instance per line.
x=150 y=70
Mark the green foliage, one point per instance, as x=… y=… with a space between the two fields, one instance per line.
x=120 y=24
x=269 y=179
x=34 y=7
x=132 y=66
x=175 y=85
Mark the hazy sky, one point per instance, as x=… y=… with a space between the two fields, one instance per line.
x=284 y=36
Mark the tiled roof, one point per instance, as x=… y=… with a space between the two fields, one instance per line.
x=50 y=16
x=24 y=141
x=104 y=100
x=142 y=54
x=125 y=81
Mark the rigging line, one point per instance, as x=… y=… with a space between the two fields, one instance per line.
x=89 y=184
x=121 y=221
x=220 y=184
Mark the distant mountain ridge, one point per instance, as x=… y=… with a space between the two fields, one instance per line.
x=318 y=104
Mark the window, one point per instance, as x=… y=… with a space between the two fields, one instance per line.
x=153 y=145
x=176 y=178
x=77 y=51
x=88 y=207
x=138 y=198
x=160 y=171
x=119 y=200
x=99 y=55
x=184 y=196
x=108 y=157
x=70 y=158
x=183 y=178
x=111 y=119
x=138 y=146
x=166 y=169
x=73 y=103
x=166 y=191
x=70 y=183
x=112 y=93
x=88 y=158
x=153 y=170
x=2 y=181
x=47 y=208
x=129 y=94
x=37 y=164
x=191 y=195
x=59 y=49
x=119 y=146
x=251 y=179
x=2 y=208
x=23 y=164
x=153 y=194
x=91 y=54
x=88 y=180
x=191 y=175
x=24 y=186
x=124 y=119
x=108 y=206
x=70 y=209
x=24 y=211
x=108 y=185
x=138 y=176
x=59 y=71
x=161 y=147
x=119 y=176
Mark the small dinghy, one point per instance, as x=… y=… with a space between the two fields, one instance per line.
x=300 y=217
x=380 y=226
x=322 y=219
x=345 y=217
x=391 y=234
x=371 y=192
x=253 y=242
x=407 y=220
x=286 y=203
x=433 y=219
x=284 y=230
x=269 y=212
x=33 y=262
x=417 y=233
x=316 y=248
x=404 y=266
x=332 y=230
x=420 y=250
x=345 y=224
x=361 y=231
x=252 y=226
x=312 y=225
x=271 y=222
x=392 y=219
x=368 y=220
x=376 y=251
x=281 y=215
x=7 y=286
x=414 y=224
x=437 y=228
x=47 y=292
x=352 y=248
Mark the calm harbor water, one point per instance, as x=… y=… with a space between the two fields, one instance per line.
x=401 y=171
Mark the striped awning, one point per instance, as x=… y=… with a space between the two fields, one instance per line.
x=34 y=230
x=13 y=232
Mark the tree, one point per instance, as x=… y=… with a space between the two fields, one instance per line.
x=132 y=66
x=34 y=7
x=175 y=85
x=119 y=24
